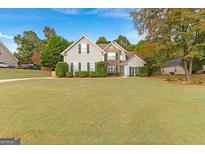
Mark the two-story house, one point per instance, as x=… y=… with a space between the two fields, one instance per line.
x=83 y=54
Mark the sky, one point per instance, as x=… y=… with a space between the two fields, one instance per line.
x=68 y=23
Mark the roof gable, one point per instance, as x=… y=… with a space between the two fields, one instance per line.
x=173 y=62
x=83 y=36
x=8 y=51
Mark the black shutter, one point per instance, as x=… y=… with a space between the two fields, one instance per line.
x=79 y=66
x=71 y=67
x=88 y=48
x=88 y=66
x=79 y=48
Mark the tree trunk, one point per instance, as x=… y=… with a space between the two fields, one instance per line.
x=187 y=64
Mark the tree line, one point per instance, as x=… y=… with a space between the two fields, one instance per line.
x=171 y=33
x=46 y=52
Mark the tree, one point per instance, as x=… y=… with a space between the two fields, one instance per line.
x=27 y=44
x=102 y=40
x=139 y=45
x=49 y=32
x=125 y=43
x=180 y=30
x=150 y=51
x=51 y=54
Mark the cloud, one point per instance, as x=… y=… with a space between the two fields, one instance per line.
x=113 y=13
x=69 y=11
x=6 y=36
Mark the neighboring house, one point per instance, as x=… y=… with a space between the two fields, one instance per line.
x=173 y=66
x=83 y=54
x=7 y=57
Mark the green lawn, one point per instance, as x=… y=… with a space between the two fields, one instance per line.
x=102 y=111
x=22 y=73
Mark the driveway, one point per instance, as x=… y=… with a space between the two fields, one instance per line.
x=10 y=80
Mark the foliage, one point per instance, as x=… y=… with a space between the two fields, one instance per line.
x=69 y=74
x=51 y=54
x=82 y=74
x=92 y=74
x=49 y=33
x=171 y=78
x=180 y=30
x=61 y=69
x=143 y=71
x=27 y=44
x=198 y=64
x=125 y=43
x=102 y=40
x=197 y=82
x=138 y=46
x=101 y=69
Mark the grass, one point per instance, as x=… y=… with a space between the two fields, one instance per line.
x=21 y=73
x=102 y=111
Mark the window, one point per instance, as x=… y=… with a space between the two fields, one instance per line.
x=75 y=68
x=88 y=66
x=84 y=47
x=88 y=48
x=79 y=66
x=79 y=48
x=111 y=56
x=92 y=67
x=71 y=67
x=111 y=69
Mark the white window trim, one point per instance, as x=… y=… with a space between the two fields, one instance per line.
x=111 y=56
x=83 y=48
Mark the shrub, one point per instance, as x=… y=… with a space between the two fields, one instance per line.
x=197 y=82
x=143 y=71
x=171 y=78
x=69 y=74
x=82 y=74
x=101 y=69
x=116 y=74
x=92 y=74
x=61 y=69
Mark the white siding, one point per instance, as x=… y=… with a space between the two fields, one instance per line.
x=94 y=55
x=7 y=57
x=176 y=69
x=133 y=62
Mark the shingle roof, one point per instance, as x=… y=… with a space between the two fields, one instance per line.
x=173 y=62
x=102 y=46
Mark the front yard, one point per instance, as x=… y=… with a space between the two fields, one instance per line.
x=102 y=111
x=21 y=73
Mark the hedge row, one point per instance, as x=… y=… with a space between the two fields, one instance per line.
x=62 y=71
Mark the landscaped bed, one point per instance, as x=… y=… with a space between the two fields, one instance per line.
x=22 y=73
x=102 y=111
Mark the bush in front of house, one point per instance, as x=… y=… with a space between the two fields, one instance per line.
x=61 y=69
x=101 y=69
x=69 y=74
x=143 y=71
x=82 y=74
x=92 y=74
